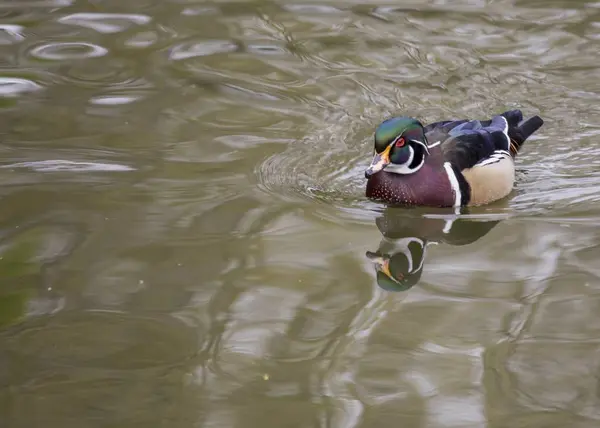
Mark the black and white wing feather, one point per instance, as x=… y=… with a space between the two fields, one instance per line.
x=466 y=143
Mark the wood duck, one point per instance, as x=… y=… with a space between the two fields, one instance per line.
x=400 y=258
x=447 y=164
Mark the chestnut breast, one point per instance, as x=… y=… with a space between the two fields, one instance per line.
x=429 y=186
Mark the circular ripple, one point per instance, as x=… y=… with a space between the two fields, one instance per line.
x=311 y=174
x=116 y=74
x=102 y=339
x=199 y=49
x=106 y=23
x=327 y=168
x=11 y=34
x=14 y=86
x=68 y=51
x=114 y=100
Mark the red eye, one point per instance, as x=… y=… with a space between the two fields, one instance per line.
x=400 y=142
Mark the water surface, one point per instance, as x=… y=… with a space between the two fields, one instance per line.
x=185 y=242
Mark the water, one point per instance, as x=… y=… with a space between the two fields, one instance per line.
x=184 y=236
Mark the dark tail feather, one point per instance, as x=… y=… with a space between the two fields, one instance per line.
x=519 y=134
x=513 y=117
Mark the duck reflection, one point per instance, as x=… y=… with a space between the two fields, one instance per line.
x=401 y=254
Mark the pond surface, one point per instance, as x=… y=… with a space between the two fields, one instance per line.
x=185 y=242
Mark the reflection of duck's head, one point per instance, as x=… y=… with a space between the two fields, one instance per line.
x=399 y=264
x=401 y=255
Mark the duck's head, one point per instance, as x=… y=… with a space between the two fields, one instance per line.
x=400 y=147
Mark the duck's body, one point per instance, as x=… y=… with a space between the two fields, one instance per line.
x=447 y=164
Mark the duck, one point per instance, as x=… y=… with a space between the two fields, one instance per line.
x=450 y=163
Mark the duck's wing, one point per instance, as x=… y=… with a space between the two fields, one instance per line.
x=468 y=143
x=439 y=131
x=473 y=142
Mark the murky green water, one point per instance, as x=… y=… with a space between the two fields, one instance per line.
x=185 y=243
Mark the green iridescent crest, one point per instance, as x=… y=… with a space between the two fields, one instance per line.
x=392 y=128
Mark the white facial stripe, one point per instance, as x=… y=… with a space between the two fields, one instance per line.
x=453 y=183
x=412 y=155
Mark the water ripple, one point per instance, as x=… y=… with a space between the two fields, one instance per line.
x=70 y=166
x=36 y=4
x=114 y=100
x=14 y=86
x=105 y=23
x=10 y=34
x=198 y=49
x=67 y=51
x=327 y=167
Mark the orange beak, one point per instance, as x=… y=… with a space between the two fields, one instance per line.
x=379 y=162
x=382 y=264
